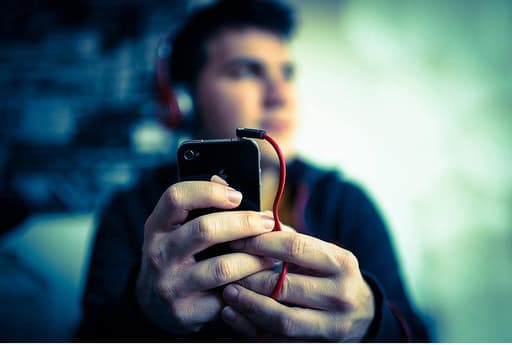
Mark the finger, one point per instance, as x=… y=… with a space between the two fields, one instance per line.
x=198 y=308
x=271 y=316
x=284 y=227
x=239 y=322
x=180 y=198
x=218 y=179
x=298 y=289
x=287 y=228
x=205 y=231
x=221 y=270
x=299 y=249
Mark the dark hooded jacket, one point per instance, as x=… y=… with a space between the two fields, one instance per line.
x=324 y=205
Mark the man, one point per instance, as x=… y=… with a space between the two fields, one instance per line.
x=234 y=58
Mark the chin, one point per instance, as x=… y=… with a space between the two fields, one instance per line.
x=269 y=155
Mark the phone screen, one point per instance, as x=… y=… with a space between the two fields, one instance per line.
x=235 y=160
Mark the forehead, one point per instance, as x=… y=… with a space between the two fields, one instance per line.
x=259 y=44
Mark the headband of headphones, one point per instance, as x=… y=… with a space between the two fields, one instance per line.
x=176 y=99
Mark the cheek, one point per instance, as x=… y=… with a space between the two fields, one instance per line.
x=293 y=99
x=227 y=105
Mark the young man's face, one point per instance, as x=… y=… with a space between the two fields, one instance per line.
x=247 y=82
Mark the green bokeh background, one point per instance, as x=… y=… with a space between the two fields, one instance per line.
x=414 y=100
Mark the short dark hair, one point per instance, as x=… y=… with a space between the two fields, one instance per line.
x=188 y=54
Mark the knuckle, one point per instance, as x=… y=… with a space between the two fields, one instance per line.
x=251 y=307
x=210 y=191
x=286 y=288
x=339 y=301
x=247 y=222
x=154 y=253
x=222 y=270
x=165 y=291
x=338 y=260
x=286 y=325
x=154 y=260
x=340 y=296
x=173 y=194
x=341 y=329
x=204 y=230
x=350 y=262
x=296 y=246
x=346 y=261
x=306 y=288
x=180 y=312
x=270 y=282
x=179 y=318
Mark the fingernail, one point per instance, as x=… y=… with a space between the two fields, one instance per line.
x=230 y=292
x=268 y=223
x=234 y=196
x=228 y=314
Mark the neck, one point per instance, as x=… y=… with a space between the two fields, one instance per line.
x=269 y=184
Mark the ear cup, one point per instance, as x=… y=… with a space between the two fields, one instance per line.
x=176 y=100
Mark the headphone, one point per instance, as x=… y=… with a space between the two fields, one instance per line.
x=177 y=102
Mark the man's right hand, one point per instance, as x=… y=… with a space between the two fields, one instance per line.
x=173 y=290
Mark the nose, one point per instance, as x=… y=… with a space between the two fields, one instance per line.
x=276 y=92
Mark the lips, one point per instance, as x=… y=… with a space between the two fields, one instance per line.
x=276 y=126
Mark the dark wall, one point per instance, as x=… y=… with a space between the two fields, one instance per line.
x=78 y=110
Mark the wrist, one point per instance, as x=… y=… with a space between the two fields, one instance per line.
x=385 y=326
x=365 y=317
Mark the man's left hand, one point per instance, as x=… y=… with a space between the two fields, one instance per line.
x=327 y=298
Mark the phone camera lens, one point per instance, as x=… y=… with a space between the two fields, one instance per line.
x=189 y=155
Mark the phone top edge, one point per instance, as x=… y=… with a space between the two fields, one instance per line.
x=203 y=141
x=249 y=141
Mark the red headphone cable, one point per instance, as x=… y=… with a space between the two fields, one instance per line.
x=261 y=134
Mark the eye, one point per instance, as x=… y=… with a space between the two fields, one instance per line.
x=288 y=72
x=246 y=70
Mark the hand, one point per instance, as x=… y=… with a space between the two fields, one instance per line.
x=172 y=288
x=328 y=300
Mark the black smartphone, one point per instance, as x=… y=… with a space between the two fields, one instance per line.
x=236 y=160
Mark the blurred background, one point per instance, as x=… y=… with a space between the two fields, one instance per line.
x=412 y=99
